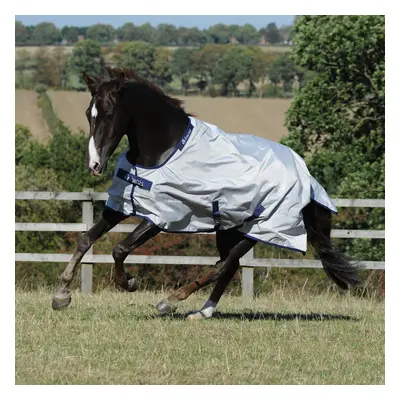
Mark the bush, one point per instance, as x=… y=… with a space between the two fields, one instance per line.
x=41 y=88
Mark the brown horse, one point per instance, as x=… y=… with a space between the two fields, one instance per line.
x=126 y=104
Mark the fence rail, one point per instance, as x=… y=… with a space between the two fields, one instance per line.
x=248 y=261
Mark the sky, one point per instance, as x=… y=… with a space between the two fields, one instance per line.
x=199 y=21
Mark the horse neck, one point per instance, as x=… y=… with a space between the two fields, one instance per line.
x=154 y=135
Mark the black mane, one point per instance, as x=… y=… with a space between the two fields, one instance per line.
x=132 y=76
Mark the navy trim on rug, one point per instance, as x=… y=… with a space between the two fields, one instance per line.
x=216 y=214
x=258 y=211
x=273 y=244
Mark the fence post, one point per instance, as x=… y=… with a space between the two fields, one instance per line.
x=248 y=276
x=87 y=269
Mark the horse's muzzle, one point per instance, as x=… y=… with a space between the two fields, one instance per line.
x=95 y=169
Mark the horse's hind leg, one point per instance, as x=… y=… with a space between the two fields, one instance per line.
x=225 y=242
x=232 y=247
x=110 y=218
x=142 y=233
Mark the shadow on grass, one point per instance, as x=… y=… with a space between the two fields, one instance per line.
x=252 y=316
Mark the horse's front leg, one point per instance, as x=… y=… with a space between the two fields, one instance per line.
x=142 y=233
x=110 y=218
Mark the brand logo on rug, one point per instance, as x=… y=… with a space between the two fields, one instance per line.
x=185 y=137
x=134 y=179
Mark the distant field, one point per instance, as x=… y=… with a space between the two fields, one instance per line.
x=33 y=49
x=284 y=338
x=262 y=117
x=68 y=49
x=27 y=113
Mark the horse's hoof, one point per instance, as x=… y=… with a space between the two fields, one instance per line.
x=165 y=307
x=197 y=316
x=128 y=284
x=132 y=285
x=61 y=300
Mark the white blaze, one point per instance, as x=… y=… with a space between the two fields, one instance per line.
x=94 y=111
x=93 y=154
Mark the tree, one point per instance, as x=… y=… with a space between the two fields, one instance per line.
x=285 y=32
x=82 y=30
x=166 y=35
x=232 y=68
x=30 y=29
x=284 y=71
x=127 y=32
x=233 y=29
x=162 y=67
x=247 y=34
x=21 y=34
x=272 y=34
x=192 y=36
x=204 y=61
x=86 y=57
x=182 y=67
x=42 y=67
x=102 y=33
x=140 y=56
x=70 y=33
x=46 y=33
x=219 y=33
x=261 y=62
x=146 y=33
x=50 y=67
x=337 y=119
x=59 y=60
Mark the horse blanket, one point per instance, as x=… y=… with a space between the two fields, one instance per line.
x=217 y=181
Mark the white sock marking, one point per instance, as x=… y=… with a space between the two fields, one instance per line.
x=208 y=312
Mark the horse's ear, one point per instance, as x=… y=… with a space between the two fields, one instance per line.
x=120 y=81
x=90 y=82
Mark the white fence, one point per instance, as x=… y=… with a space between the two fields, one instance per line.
x=248 y=262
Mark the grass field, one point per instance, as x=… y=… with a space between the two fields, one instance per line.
x=283 y=338
x=28 y=113
x=262 y=117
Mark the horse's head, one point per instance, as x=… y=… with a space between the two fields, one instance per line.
x=106 y=124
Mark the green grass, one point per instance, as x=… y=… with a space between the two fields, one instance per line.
x=116 y=338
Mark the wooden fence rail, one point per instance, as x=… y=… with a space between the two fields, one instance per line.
x=248 y=262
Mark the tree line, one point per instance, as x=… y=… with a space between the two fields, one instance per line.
x=46 y=33
x=211 y=69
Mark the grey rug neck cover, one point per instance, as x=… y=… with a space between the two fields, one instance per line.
x=218 y=181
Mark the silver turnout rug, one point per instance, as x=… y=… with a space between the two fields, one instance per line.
x=218 y=181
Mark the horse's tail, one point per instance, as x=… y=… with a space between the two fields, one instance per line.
x=318 y=223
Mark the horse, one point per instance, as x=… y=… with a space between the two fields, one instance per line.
x=201 y=179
